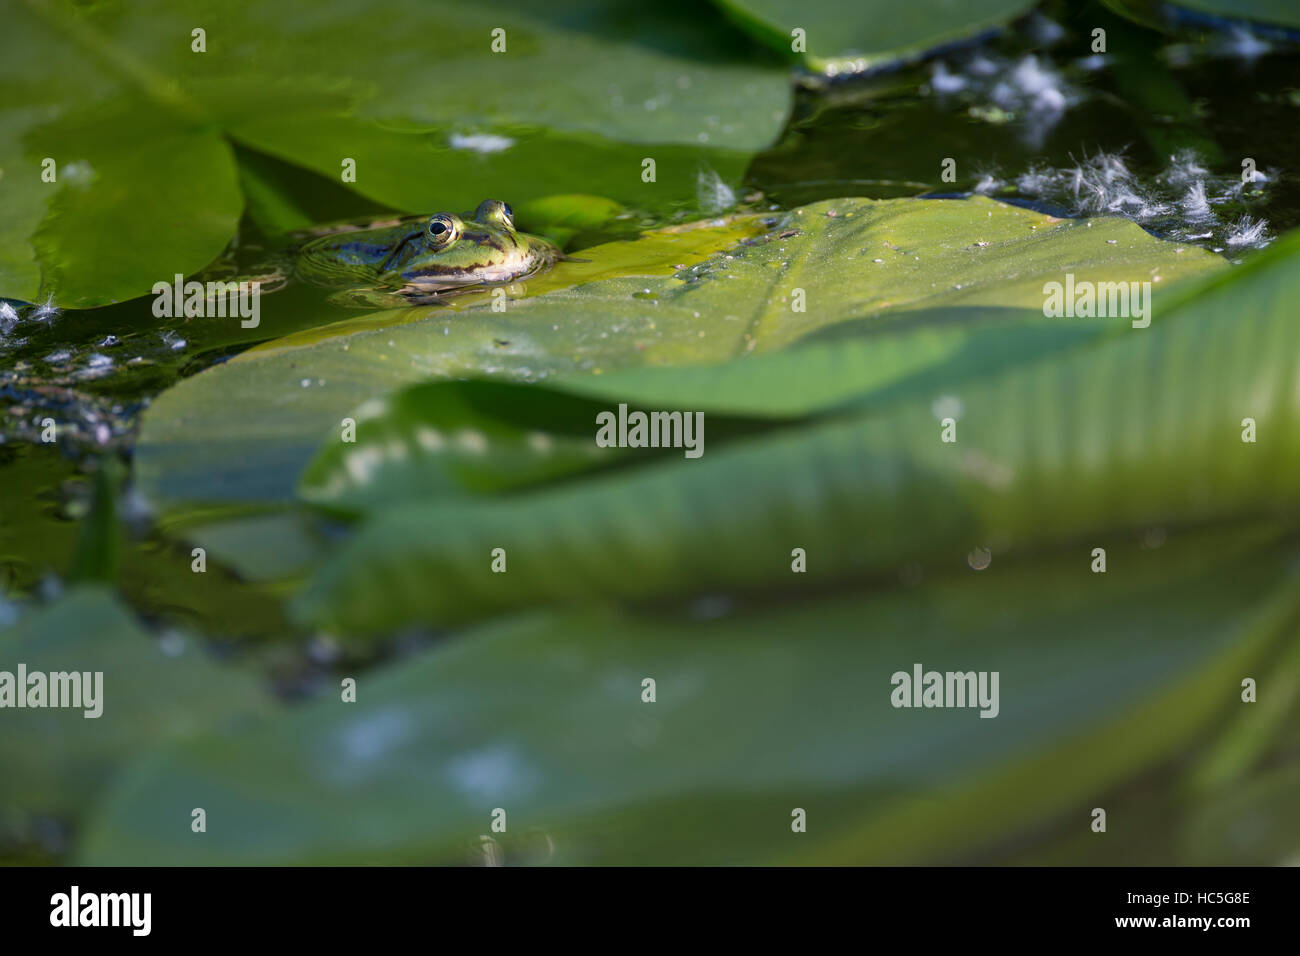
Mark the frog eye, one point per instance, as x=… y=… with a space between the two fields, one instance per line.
x=443 y=229
x=494 y=210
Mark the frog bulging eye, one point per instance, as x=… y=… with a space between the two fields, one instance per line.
x=443 y=229
x=494 y=210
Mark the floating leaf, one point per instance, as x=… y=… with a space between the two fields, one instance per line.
x=602 y=96
x=61 y=761
x=755 y=714
x=198 y=447
x=242 y=431
x=446 y=439
x=125 y=208
x=559 y=218
x=449 y=438
x=1251 y=824
x=1131 y=431
x=835 y=37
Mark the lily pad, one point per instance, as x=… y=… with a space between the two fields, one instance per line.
x=243 y=431
x=1253 y=824
x=835 y=37
x=454 y=438
x=97 y=180
x=447 y=439
x=60 y=761
x=205 y=451
x=755 y=714
x=559 y=218
x=1130 y=431
x=138 y=110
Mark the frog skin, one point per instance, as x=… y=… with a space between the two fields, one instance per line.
x=424 y=259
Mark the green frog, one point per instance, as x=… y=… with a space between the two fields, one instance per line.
x=421 y=260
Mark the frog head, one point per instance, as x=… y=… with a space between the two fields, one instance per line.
x=450 y=252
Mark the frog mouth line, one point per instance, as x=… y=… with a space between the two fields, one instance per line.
x=433 y=278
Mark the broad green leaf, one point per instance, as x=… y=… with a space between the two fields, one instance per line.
x=270 y=201
x=242 y=431
x=1269 y=722
x=755 y=714
x=35 y=80
x=445 y=438
x=93 y=245
x=141 y=122
x=261 y=547
x=941 y=348
x=938 y=349
x=142 y=188
x=60 y=761
x=1136 y=430
x=838 y=38
x=561 y=217
x=200 y=446
x=1251 y=824
x=611 y=69
x=421 y=169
